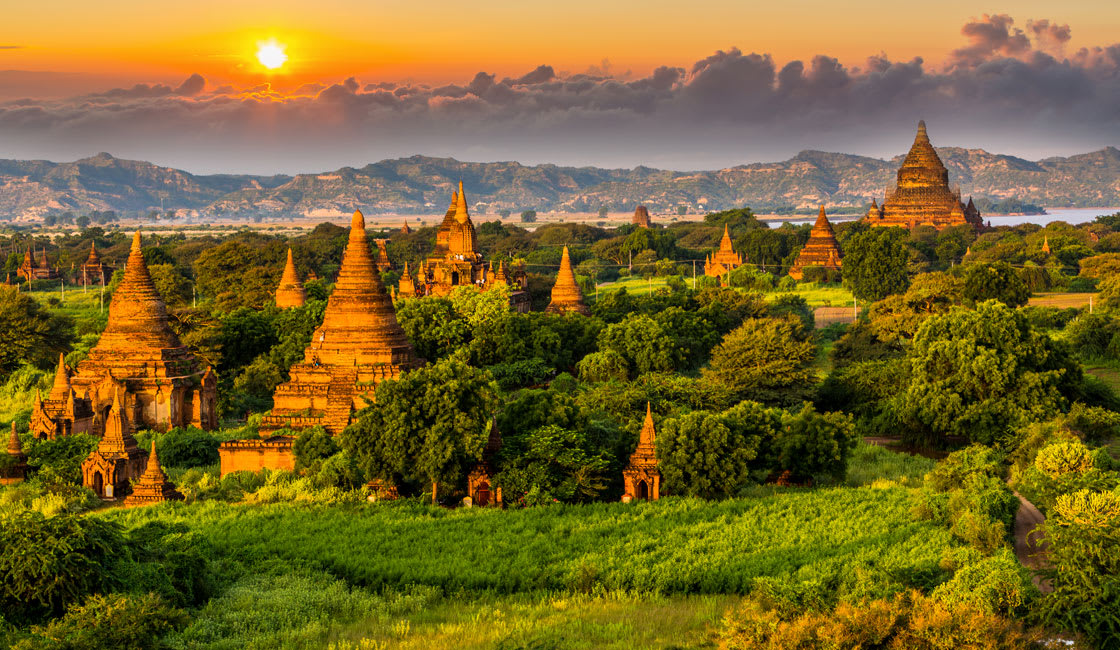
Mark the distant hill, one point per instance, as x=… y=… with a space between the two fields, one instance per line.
x=30 y=190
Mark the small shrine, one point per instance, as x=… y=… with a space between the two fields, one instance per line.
x=290 y=293
x=641 y=477
x=117 y=461
x=821 y=250
x=566 y=296
x=36 y=269
x=480 y=481
x=383 y=263
x=63 y=412
x=725 y=259
x=153 y=486
x=16 y=469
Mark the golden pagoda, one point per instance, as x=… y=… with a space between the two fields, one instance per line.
x=406 y=288
x=456 y=261
x=162 y=384
x=641 y=477
x=93 y=270
x=153 y=486
x=109 y=469
x=821 y=249
x=16 y=470
x=723 y=260
x=1046 y=244
x=358 y=345
x=566 y=296
x=405 y=229
x=383 y=262
x=641 y=217
x=63 y=413
x=290 y=293
x=922 y=196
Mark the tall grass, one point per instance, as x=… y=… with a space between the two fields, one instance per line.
x=877 y=466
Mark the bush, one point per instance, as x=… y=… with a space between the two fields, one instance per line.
x=910 y=620
x=1092 y=335
x=976 y=460
x=112 y=621
x=1083 y=532
x=49 y=564
x=188 y=447
x=809 y=444
x=60 y=460
x=993 y=585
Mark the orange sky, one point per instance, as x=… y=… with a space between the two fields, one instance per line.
x=448 y=41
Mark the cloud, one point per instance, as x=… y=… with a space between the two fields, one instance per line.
x=12 y=47
x=1008 y=89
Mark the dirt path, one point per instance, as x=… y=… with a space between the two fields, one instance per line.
x=1030 y=546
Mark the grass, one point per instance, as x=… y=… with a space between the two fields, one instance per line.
x=827 y=295
x=873 y=465
x=636 y=285
x=1109 y=374
x=1061 y=300
x=675 y=546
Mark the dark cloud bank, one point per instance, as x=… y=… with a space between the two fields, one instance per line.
x=1007 y=89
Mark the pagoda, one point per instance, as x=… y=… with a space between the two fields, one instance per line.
x=405 y=229
x=93 y=270
x=480 y=481
x=109 y=469
x=358 y=345
x=162 y=384
x=456 y=261
x=290 y=293
x=383 y=263
x=566 y=296
x=641 y=217
x=36 y=269
x=63 y=412
x=641 y=477
x=922 y=196
x=723 y=260
x=821 y=249
x=16 y=470
x=153 y=486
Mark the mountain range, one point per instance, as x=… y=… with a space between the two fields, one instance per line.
x=30 y=190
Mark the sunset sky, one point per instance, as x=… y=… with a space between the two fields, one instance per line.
x=682 y=85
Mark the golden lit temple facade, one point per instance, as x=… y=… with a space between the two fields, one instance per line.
x=456 y=262
x=922 y=196
x=566 y=296
x=821 y=250
x=724 y=260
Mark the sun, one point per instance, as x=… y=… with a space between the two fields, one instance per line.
x=271 y=54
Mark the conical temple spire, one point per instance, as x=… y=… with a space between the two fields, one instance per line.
x=290 y=293
x=566 y=296
x=153 y=470
x=61 y=387
x=359 y=325
x=461 y=214
x=821 y=219
x=137 y=313
x=648 y=433
x=725 y=244
x=14 y=446
x=117 y=436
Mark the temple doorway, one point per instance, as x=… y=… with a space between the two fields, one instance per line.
x=98 y=484
x=643 y=490
x=482 y=495
x=455 y=278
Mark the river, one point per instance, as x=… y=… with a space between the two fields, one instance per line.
x=1068 y=215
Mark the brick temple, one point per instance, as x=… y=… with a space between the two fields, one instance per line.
x=725 y=259
x=641 y=217
x=358 y=345
x=153 y=486
x=922 y=196
x=110 y=469
x=641 y=478
x=821 y=250
x=160 y=382
x=33 y=268
x=290 y=293
x=93 y=270
x=566 y=296
x=456 y=262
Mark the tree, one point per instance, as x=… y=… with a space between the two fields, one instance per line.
x=312 y=447
x=997 y=281
x=175 y=289
x=810 y=443
x=428 y=425
x=643 y=342
x=875 y=263
x=82 y=221
x=120 y=621
x=551 y=463
x=29 y=333
x=529 y=216
x=710 y=455
x=603 y=212
x=765 y=359
x=504 y=213
x=981 y=374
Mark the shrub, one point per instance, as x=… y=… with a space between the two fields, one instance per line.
x=1083 y=531
x=48 y=564
x=909 y=620
x=994 y=585
x=1092 y=335
x=1063 y=458
x=975 y=460
x=110 y=621
x=188 y=447
x=810 y=443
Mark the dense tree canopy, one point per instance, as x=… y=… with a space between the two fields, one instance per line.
x=875 y=263
x=29 y=333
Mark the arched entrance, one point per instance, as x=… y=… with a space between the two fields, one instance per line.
x=98 y=483
x=482 y=494
x=643 y=490
x=455 y=278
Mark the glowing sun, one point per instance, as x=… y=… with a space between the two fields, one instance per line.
x=271 y=54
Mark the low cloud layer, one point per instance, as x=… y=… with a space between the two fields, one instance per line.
x=1008 y=89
